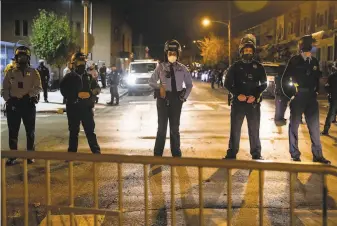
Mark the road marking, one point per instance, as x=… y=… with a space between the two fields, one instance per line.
x=203 y=107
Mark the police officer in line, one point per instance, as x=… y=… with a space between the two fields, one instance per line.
x=113 y=79
x=331 y=88
x=300 y=83
x=102 y=73
x=246 y=80
x=170 y=95
x=281 y=101
x=45 y=76
x=80 y=90
x=21 y=87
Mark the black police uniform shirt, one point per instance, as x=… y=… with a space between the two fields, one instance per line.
x=73 y=83
x=44 y=73
x=305 y=74
x=249 y=79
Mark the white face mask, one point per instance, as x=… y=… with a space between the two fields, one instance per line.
x=172 y=59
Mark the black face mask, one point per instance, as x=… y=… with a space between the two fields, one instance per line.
x=22 y=59
x=247 y=57
x=80 y=69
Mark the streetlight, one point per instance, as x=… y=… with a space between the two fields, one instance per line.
x=206 y=22
x=85 y=4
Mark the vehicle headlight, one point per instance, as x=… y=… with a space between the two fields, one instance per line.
x=131 y=80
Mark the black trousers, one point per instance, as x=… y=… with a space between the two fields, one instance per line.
x=17 y=110
x=103 y=80
x=239 y=111
x=114 y=93
x=81 y=113
x=281 y=104
x=305 y=103
x=169 y=110
x=331 y=115
x=45 y=90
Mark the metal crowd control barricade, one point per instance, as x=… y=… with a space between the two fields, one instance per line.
x=260 y=166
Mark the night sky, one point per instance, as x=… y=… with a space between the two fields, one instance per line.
x=160 y=20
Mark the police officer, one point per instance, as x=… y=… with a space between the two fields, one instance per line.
x=113 y=79
x=246 y=80
x=300 y=83
x=170 y=96
x=80 y=90
x=21 y=87
x=44 y=74
x=331 y=88
x=102 y=73
x=281 y=101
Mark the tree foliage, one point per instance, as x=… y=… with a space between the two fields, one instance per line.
x=215 y=49
x=52 y=38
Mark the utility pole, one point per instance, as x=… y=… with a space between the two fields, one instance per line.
x=85 y=24
x=229 y=34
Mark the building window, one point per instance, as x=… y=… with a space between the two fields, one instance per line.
x=326 y=17
x=317 y=20
x=116 y=34
x=78 y=27
x=321 y=20
x=25 y=28
x=305 y=22
x=17 y=28
x=330 y=53
x=71 y=25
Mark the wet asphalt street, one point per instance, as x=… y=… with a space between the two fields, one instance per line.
x=130 y=129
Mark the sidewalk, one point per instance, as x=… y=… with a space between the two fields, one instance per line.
x=55 y=101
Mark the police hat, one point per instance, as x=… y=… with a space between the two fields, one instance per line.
x=22 y=50
x=172 y=45
x=248 y=40
x=305 y=43
x=78 y=57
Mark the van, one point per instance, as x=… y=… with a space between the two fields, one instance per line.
x=140 y=71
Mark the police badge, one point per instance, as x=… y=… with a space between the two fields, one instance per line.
x=315 y=68
x=254 y=66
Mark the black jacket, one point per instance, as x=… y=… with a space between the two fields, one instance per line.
x=114 y=78
x=73 y=83
x=306 y=76
x=331 y=86
x=278 y=77
x=44 y=74
x=249 y=79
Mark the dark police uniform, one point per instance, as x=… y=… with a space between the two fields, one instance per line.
x=169 y=108
x=300 y=82
x=102 y=73
x=45 y=76
x=281 y=101
x=331 y=88
x=249 y=79
x=80 y=110
x=113 y=80
x=21 y=86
